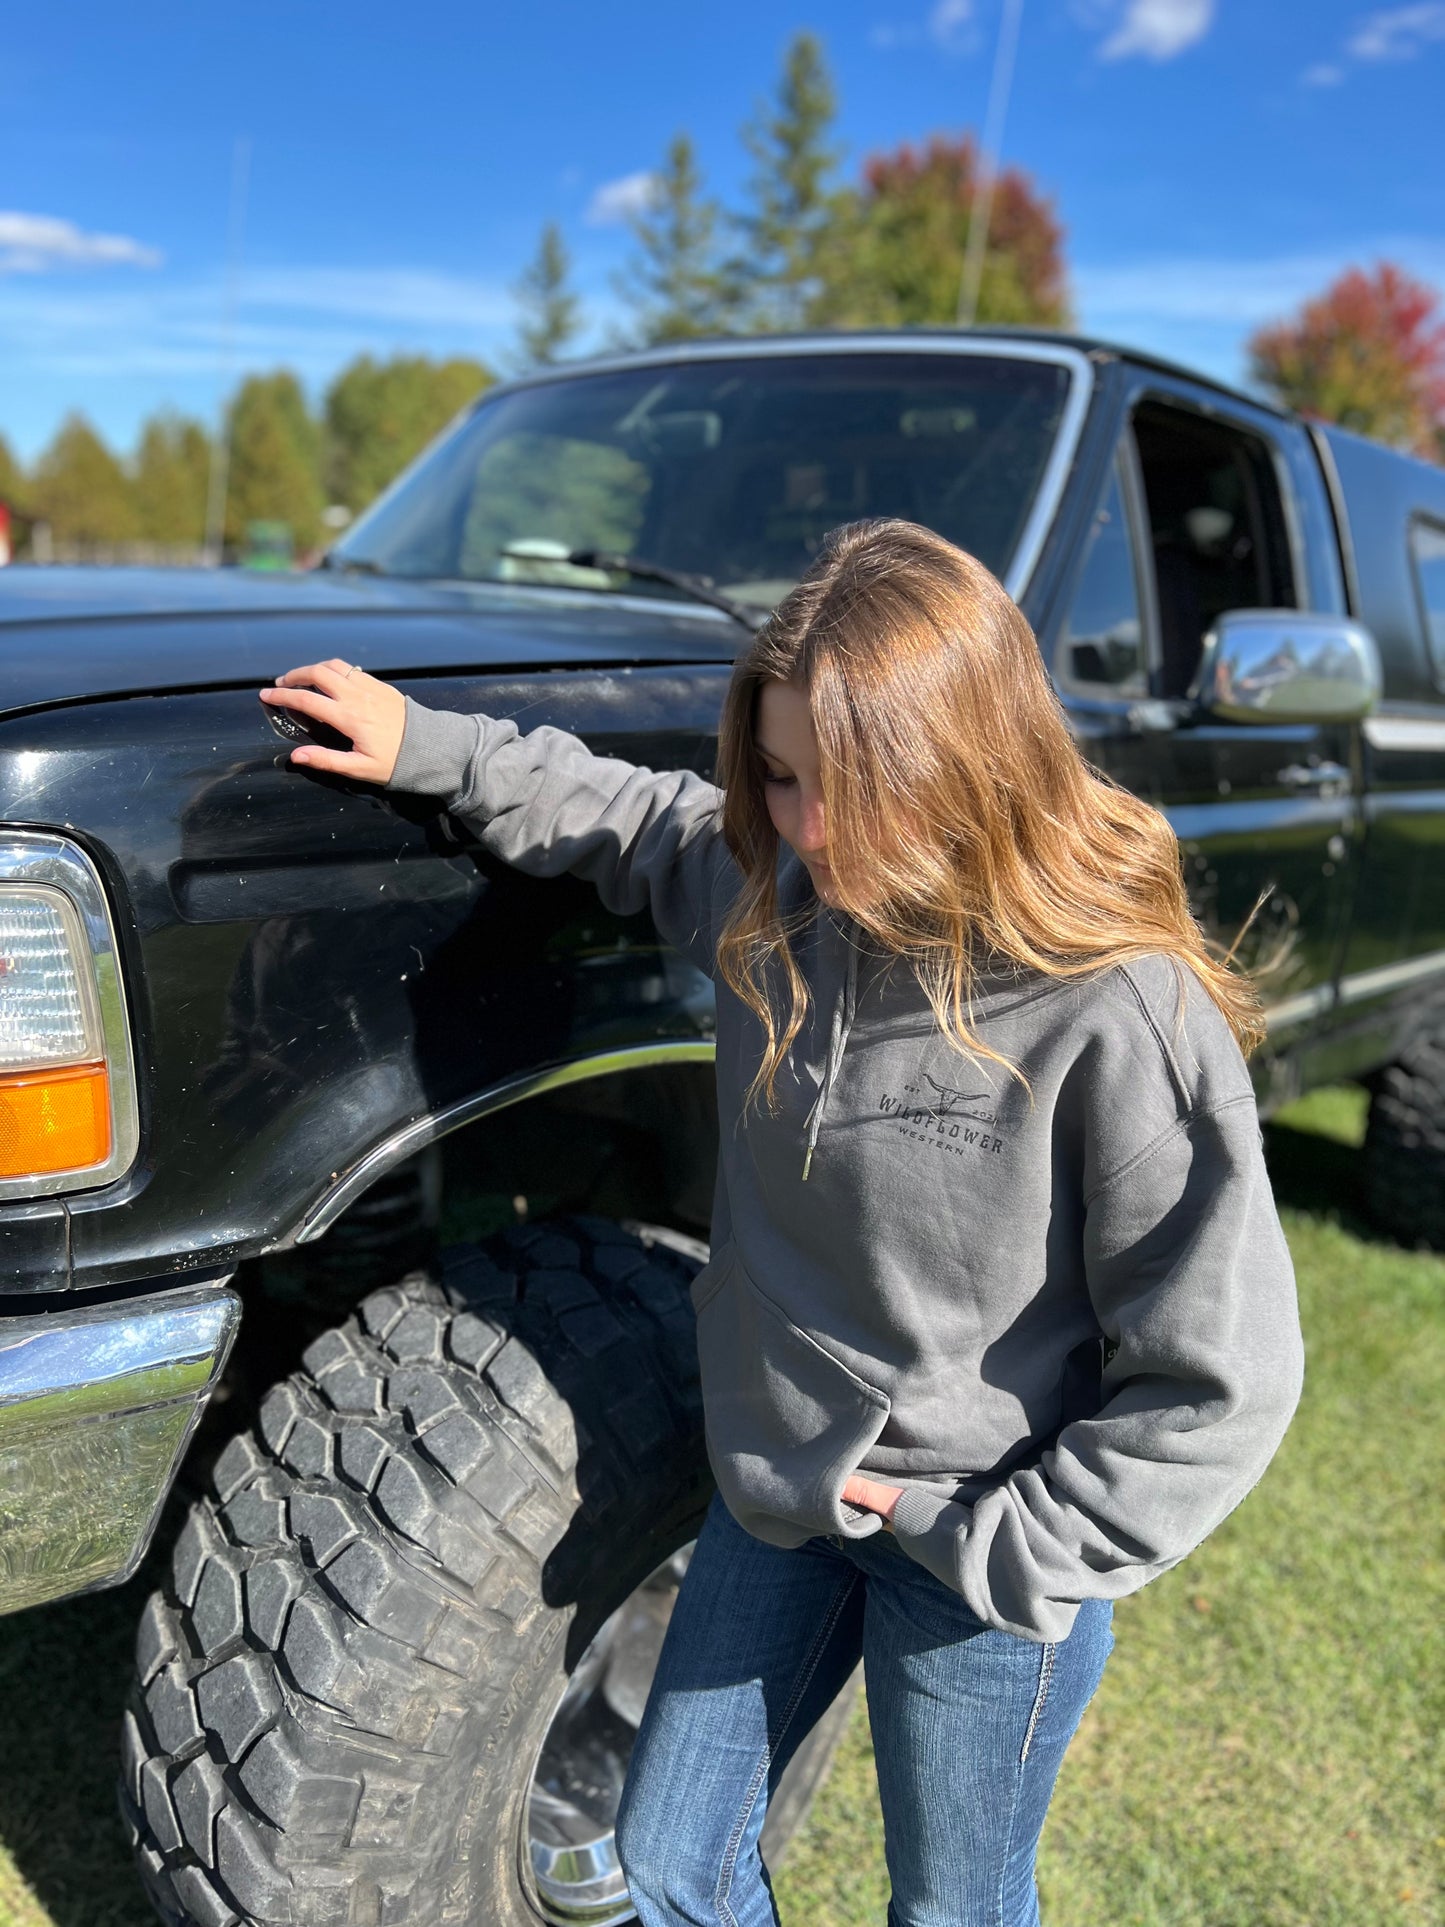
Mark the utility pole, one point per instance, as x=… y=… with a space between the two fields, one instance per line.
x=221 y=442
x=981 y=212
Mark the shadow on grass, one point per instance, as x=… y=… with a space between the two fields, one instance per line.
x=64 y=1674
x=1316 y=1163
x=1316 y=1174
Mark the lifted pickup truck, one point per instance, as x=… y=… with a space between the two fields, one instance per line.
x=246 y=1012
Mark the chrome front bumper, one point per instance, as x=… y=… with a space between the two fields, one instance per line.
x=96 y=1408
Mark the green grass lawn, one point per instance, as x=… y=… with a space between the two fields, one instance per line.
x=1259 y=1754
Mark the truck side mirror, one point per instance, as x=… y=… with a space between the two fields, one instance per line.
x=1287 y=666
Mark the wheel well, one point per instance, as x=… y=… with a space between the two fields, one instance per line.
x=637 y=1144
x=641 y=1143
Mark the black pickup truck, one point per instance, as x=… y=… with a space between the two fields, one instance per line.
x=268 y=1037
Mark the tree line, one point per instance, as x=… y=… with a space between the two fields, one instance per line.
x=285 y=463
x=808 y=248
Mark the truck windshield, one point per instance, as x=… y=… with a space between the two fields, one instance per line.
x=730 y=469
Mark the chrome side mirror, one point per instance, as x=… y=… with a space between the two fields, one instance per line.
x=1287 y=666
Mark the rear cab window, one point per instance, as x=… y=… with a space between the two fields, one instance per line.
x=1427 y=563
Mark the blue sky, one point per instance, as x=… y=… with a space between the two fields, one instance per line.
x=1213 y=162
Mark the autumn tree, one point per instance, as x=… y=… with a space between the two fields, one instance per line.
x=172 y=474
x=80 y=488
x=794 y=230
x=551 y=314
x=380 y=414
x=275 y=459
x=915 y=209
x=1368 y=353
x=675 y=281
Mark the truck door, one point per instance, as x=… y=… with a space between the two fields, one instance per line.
x=1393 y=508
x=1202 y=511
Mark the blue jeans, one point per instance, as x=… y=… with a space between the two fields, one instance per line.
x=969 y=1728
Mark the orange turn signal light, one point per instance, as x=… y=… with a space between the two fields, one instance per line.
x=54 y=1120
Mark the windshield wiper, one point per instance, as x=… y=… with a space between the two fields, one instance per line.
x=698 y=587
x=349 y=564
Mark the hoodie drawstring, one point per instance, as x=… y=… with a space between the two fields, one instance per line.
x=843 y=1011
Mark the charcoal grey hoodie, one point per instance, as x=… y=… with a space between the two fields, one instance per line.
x=1067 y=1330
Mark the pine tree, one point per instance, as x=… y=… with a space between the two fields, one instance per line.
x=13 y=488
x=795 y=230
x=275 y=460
x=172 y=473
x=675 y=282
x=80 y=488
x=551 y=314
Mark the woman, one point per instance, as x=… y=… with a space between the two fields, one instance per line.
x=999 y=1320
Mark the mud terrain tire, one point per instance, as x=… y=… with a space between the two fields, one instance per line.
x=1404 y=1162
x=343 y=1691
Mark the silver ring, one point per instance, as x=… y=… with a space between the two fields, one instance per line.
x=347 y=676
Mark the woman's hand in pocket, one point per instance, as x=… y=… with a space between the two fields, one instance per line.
x=365 y=709
x=878 y=1498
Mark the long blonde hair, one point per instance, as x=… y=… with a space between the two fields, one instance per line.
x=964 y=826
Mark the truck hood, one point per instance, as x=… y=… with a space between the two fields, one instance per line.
x=71 y=634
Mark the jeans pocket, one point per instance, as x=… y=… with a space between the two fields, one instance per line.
x=786 y=1422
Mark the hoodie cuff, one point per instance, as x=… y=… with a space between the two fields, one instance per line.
x=931 y=1530
x=437 y=746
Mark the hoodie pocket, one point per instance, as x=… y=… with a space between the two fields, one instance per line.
x=786 y=1421
x=712 y=1275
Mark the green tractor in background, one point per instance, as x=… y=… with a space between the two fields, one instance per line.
x=268 y=545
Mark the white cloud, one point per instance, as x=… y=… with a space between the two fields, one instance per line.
x=311 y=319
x=948 y=24
x=1158 y=29
x=1200 y=310
x=38 y=243
x=1398 y=34
x=119 y=348
x=1225 y=290
x=416 y=296
x=615 y=201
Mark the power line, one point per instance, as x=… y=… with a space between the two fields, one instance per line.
x=221 y=443
x=981 y=211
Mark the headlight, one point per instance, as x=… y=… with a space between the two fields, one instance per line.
x=67 y=1083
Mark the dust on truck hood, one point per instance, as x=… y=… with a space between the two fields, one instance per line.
x=70 y=634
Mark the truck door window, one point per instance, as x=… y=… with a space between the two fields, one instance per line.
x=1217 y=529
x=1427 y=553
x=1102 y=644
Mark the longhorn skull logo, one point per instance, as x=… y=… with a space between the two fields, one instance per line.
x=951 y=1101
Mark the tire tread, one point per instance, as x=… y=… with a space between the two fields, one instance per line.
x=365 y=1573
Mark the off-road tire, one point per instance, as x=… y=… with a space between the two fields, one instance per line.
x=1404 y=1152
x=343 y=1690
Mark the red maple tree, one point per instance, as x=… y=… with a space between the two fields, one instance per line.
x=915 y=205
x=1368 y=353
